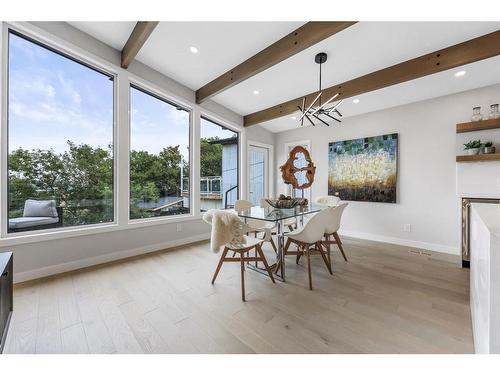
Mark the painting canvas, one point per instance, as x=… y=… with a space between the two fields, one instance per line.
x=364 y=169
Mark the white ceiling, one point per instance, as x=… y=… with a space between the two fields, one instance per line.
x=358 y=50
x=221 y=45
x=114 y=34
x=479 y=74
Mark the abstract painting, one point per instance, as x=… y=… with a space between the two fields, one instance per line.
x=364 y=169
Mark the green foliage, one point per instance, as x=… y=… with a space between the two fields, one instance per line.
x=210 y=157
x=81 y=179
x=472 y=144
x=154 y=176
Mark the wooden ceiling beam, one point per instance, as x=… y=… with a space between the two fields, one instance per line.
x=136 y=40
x=473 y=50
x=296 y=41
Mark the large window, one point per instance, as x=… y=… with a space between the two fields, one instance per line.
x=219 y=174
x=159 y=156
x=60 y=139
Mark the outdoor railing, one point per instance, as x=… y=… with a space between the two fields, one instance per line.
x=209 y=186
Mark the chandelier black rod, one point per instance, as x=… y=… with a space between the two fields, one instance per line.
x=324 y=122
x=319 y=106
x=333 y=118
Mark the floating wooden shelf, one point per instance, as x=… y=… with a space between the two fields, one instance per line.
x=478 y=125
x=480 y=157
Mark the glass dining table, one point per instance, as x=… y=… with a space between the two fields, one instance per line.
x=278 y=216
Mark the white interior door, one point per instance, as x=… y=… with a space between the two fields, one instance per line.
x=258 y=174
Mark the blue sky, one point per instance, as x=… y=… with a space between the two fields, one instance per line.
x=52 y=99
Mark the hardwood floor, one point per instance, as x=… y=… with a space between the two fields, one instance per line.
x=386 y=299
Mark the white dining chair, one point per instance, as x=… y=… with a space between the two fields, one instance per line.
x=310 y=235
x=255 y=225
x=290 y=223
x=332 y=227
x=324 y=200
x=242 y=248
x=327 y=200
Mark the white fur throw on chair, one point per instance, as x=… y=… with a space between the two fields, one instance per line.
x=227 y=228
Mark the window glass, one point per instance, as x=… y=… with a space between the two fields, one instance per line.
x=60 y=139
x=219 y=173
x=159 y=157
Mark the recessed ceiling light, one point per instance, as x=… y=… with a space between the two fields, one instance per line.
x=193 y=49
x=460 y=73
x=294 y=118
x=355 y=101
x=256 y=92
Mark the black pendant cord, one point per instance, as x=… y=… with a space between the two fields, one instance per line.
x=320 y=82
x=316 y=111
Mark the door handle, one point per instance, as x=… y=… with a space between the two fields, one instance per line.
x=5 y=274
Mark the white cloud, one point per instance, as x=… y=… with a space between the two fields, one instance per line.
x=31 y=86
x=60 y=124
x=68 y=88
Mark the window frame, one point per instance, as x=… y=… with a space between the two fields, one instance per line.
x=205 y=115
x=159 y=94
x=79 y=58
x=166 y=88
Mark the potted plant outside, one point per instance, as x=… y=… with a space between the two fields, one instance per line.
x=489 y=148
x=472 y=147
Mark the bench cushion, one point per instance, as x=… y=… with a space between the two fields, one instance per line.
x=37 y=208
x=31 y=221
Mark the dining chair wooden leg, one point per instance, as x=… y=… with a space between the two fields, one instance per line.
x=242 y=262
x=339 y=244
x=321 y=251
x=298 y=256
x=220 y=264
x=258 y=248
x=309 y=267
x=274 y=246
x=328 y=248
x=287 y=245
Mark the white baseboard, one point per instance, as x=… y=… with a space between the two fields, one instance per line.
x=403 y=242
x=87 y=262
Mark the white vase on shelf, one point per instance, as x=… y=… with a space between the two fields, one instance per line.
x=476 y=114
x=494 y=114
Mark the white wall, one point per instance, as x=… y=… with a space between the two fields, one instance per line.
x=36 y=256
x=426 y=195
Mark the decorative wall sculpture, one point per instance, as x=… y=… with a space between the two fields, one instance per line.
x=292 y=173
x=364 y=169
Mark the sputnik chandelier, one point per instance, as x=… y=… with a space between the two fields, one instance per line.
x=317 y=109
